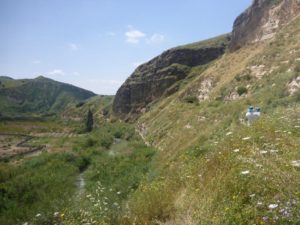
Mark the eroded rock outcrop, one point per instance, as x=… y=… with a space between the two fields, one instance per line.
x=262 y=20
x=159 y=76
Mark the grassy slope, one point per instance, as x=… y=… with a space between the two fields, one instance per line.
x=198 y=176
x=99 y=105
x=222 y=40
x=36 y=96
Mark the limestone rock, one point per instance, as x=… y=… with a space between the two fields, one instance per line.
x=262 y=20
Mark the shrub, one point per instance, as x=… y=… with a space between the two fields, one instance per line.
x=242 y=90
x=90 y=142
x=106 y=141
x=78 y=105
x=191 y=99
x=297 y=67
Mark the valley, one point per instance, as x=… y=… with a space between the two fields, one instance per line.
x=173 y=146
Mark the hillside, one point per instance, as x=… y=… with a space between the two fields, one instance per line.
x=211 y=167
x=100 y=106
x=164 y=75
x=37 y=96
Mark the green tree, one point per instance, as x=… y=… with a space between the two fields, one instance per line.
x=89 y=121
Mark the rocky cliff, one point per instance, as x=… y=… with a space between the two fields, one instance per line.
x=158 y=77
x=261 y=21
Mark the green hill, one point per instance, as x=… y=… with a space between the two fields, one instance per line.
x=37 y=96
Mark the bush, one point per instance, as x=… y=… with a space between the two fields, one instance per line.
x=90 y=142
x=242 y=90
x=78 y=105
x=106 y=141
x=297 y=67
x=191 y=99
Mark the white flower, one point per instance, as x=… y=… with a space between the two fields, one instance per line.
x=263 y=152
x=246 y=172
x=229 y=133
x=273 y=206
x=246 y=138
x=259 y=203
x=252 y=196
x=119 y=192
x=236 y=150
x=55 y=214
x=296 y=163
x=38 y=215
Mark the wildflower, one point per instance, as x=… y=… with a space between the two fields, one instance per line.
x=265 y=218
x=229 y=133
x=246 y=138
x=246 y=172
x=55 y=214
x=263 y=152
x=38 y=215
x=296 y=163
x=119 y=192
x=236 y=150
x=273 y=206
x=259 y=203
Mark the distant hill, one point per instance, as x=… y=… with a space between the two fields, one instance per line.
x=37 y=96
x=99 y=105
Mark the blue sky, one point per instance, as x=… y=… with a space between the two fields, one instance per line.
x=96 y=44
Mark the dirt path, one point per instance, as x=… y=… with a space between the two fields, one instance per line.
x=13 y=145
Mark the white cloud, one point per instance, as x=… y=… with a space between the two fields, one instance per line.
x=134 y=36
x=73 y=46
x=155 y=39
x=56 y=72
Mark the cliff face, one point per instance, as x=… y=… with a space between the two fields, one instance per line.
x=158 y=77
x=262 y=20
